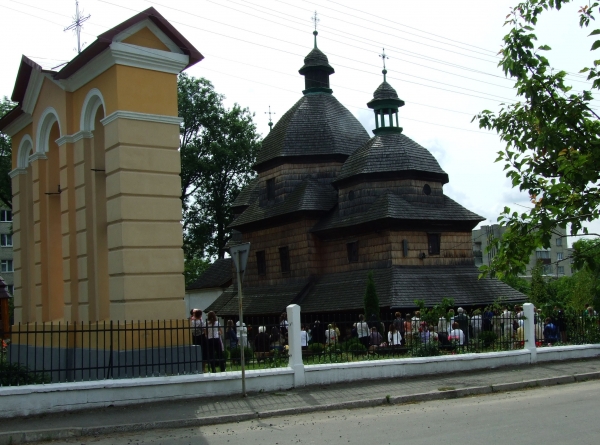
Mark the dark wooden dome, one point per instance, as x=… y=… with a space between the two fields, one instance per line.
x=317 y=125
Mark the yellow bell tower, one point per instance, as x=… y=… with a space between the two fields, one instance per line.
x=97 y=229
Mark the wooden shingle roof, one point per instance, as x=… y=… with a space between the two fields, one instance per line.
x=218 y=274
x=396 y=153
x=309 y=195
x=392 y=206
x=247 y=195
x=257 y=300
x=318 y=124
x=399 y=287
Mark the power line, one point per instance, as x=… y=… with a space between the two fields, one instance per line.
x=297 y=44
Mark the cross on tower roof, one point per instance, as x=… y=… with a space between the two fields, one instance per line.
x=315 y=19
x=383 y=57
x=270 y=121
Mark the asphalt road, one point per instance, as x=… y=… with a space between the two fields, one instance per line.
x=550 y=415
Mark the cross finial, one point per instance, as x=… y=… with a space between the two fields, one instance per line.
x=316 y=21
x=383 y=57
x=77 y=25
x=270 y=121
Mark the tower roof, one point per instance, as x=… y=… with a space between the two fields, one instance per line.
x=317 y=125
x=316 y=59
x=392 y=153
x=385 y=91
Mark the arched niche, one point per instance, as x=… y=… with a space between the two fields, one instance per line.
x=25 y=150
x=93 y=101
x=47 y=120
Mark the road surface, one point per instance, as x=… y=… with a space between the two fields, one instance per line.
x=565 y=414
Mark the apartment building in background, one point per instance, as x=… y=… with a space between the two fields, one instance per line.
x=556 y=259
x=6 y=249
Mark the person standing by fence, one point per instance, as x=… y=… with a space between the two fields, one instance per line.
x=199 y=335
x=362 y=330
x=215 y=342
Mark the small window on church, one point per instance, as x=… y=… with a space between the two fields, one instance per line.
x=433 y=241
x=427 y=189
x=270 y=189
x=352 y=252
x=261 y=263
x=284 y=257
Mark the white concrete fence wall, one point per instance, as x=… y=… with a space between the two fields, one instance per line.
x=39 y=399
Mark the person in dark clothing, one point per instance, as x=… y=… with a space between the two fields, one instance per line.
x=487 y=324
x=551 y=333
x=561 y=323
x=318 y=333
x=262 y=341
x=463 y=323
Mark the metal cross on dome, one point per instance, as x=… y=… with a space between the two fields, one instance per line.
x=270 y=121
x=383 y=57
x=315 y=20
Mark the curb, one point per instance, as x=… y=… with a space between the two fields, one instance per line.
x=19 y=437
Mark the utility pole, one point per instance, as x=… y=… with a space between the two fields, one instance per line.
x=239 y=254
x=77 y=25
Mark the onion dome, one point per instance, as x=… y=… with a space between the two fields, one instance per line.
x=317 y=125
x=392 y=155
x=316 y=71
x=386 y=103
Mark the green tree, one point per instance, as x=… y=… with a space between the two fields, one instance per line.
x=218 y=148
x=5 y=159
x=538 y=293
x=371 y=301
x=552 y=141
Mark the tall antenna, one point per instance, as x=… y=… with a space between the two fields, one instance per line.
x=77 y=25
x=270 y=121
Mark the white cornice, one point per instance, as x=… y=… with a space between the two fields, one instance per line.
x=17 y=172
x=89 y=71
x=18 y=124
x=175 y=120
x=33 y=91
x=154 y=29
x=148 y=58
x=36 y=156
x=129 y=55
x=72 y=138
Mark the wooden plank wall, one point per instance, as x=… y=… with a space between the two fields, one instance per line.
x=301 y=245
x=456 y=248
x=365 y=193
x=288 y=176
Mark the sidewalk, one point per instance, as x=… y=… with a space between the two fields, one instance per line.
x=199 y=411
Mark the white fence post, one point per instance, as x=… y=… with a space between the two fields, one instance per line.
x=295 y=345
x=529 y=312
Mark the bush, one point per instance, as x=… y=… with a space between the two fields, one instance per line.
x=236 y=353
x=488 y=338
x=13 y=374
x=429 y=349
x=316 y=348
x=353 y=345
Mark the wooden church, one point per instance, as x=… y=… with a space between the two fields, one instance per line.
x=329 y=204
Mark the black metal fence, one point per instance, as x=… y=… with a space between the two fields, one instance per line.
x=67 y=352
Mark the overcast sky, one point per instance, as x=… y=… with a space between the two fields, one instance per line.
x=442 y=62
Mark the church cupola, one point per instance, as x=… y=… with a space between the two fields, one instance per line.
x=385 y=104
x=316 y=69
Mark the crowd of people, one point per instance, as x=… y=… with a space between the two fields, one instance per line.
x=454 y=329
